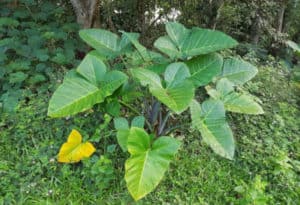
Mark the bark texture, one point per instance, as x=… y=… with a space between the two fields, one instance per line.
x=87 y=12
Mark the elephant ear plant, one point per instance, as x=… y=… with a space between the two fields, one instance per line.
x=117 y=72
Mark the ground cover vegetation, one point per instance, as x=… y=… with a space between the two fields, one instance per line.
x=141 y=109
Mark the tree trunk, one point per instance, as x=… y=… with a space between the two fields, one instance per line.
x=13 y=4
x=141 y=23
x=255 y=29
x=281 y=18
x=87 y=12
x=221 y=4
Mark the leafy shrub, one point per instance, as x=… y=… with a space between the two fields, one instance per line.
x=31 y=47
x=113 y=71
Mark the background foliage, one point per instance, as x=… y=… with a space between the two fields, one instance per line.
x=39 y=43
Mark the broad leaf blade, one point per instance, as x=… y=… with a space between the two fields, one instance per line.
x=294 y=46
x=177 y=33
x=242 y=103
x=176 y=96
x=105 y=42
x=209 y=119
x=233 y=101
x=224 y=87
x=165 y=45
x=146 y=166
x=112 y=80
x=238 y=71
x=147 y=77
x=74 y=149
x=204 y=41
x=204 y=68
x=92 y=68
x=133 y=38
x=75 y=95
x=176 y=73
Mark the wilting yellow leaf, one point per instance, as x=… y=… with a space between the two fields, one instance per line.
x=74 y=150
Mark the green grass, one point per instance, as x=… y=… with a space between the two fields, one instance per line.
x=265 y=169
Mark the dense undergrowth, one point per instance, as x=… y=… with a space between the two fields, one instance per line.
x=265 y=170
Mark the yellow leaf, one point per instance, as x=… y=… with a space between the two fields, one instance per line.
x=74 y=150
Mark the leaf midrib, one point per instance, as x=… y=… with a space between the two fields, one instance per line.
x=143 y=168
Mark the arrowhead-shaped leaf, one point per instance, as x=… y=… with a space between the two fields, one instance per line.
x=238 y=71
x=74 y=149
x=176 y=73
x=177 y=33
x=183 y=43
x=147 y=163
x=224 y=87
x=233 y=101
x=179 y=91
x=242 y=103
x=167 y=46
x=177 y=98
x=147 y=77
x=204 y=68
x=105 y=42
x=75 y=95
x=204 y=41
x=83 y=89
x=133 y=38
x=209 y=119
x=92 y=68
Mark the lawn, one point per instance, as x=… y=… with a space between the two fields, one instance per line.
x=265 y=169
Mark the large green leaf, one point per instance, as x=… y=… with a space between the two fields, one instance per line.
x=204 y=68
x=79 y=91
x=176 y=73
x=133 y=38
x=147 y=163
x=165 y=45
x=147 y=77
x=183 y=43
x=294 y=46
x=75 y=95
x=92 y=68
x=177 y=33
x=125 y=43
x=242 y=103
x=177 y=98
x=233 y=101
x=238 y=71
x=105 y=42
x=224 y=86
x=179 y=91
x=209 y=119
x=204 y=41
